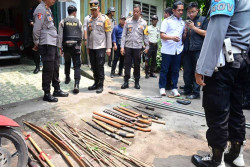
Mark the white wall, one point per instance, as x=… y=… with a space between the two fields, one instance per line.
x=127 y=6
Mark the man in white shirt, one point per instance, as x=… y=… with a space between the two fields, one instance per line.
x=172 y=30
x=153 y=35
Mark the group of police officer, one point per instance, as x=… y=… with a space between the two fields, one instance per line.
x=223 y=87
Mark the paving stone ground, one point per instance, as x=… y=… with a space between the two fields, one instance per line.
x=18 y=83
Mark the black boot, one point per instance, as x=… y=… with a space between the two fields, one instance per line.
x=125 y=84
x=120 y=73
x=94 y=86
x=60 y=93
x=37 y=69
x=48 y=97
x=112 y=75
x=147 y=76
x=76 y=87
x=234 y=155
x=153 y=75
x=215 y=159
x=109 y=63
x=67 y=80
x=100 y=87
x=137 y=85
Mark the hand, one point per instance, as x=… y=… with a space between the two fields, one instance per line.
x=115 y=47
x=191 y=25
x=199 y=79
x=122 y=51
x=146 y=51
x=61 y=52
x=35 y=48
x=108 y=52
x=88 y=51
x=175 y=38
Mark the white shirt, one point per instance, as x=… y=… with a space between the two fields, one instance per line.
x=172 y=26
x=153 y=34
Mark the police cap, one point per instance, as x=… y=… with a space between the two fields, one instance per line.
x=123 y=17
x=154 y=17
x=94 y=4
x=111 y=9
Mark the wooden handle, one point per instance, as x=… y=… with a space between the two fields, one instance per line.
x=159 y=122
x=108 y=122
x=114 y=119
x=125 y=112
x=130 y=111
x=104 y=126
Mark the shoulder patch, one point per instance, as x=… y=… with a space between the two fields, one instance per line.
x=39 y=16
x=222 y=7
x=146 y=31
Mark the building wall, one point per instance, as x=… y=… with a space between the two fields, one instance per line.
x=158 y=3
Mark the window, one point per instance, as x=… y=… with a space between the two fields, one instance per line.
x=147 y=11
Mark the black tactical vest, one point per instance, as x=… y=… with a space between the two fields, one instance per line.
x=71 y=30
x=196 y=40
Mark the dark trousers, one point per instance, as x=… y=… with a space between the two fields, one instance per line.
x=135 y=56
x=36 y=58
x=74 y=53
x=151 y=56
x=247 y=89
x=97 y=60
x=222 y=101
x=189 y=62
x=120 y=58
x=168 y=61
x=50 y=59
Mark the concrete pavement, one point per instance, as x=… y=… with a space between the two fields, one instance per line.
x=170 y=145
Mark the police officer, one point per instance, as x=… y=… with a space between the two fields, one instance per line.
x=154 y=36
x=223 y=87
x=45 y=40
x=110 y=14
x=36 y=55
x=197 y=26
x=98 y=43
x=69 y=42
x=135 y=32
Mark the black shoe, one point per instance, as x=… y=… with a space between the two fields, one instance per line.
x=213 y=160
x=137 y=85
x=193 y=96
x=147 y=76
x=182 y=87
x=100 y=87
x=246 y=106
x=60 y=93
x=67 y=80
x=234 y=156
x=94 y=86
x=36 y=70
x=183 y=92
x=112 y=75
x=76 y=88
x=109 y=64
x=125 y=85
x=120 y=73
x=49 y=98
x=153 y=75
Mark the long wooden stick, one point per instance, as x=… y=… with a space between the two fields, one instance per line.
x=39 y=150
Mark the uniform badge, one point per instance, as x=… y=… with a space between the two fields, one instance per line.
x=198 y=24
x=39 y=16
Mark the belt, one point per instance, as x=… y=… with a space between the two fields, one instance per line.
x=71 y=42
x=236 y=50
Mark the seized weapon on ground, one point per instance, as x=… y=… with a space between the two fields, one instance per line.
x=103 y=149
x=123 y=122
x=146 y=107
x=34 y=154
x=108 y=133
x=56 y=143
x=39 y=150
x=136 y=115
x=116 y=125
x=130 y=135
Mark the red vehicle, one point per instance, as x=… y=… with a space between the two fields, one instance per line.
x=11 y=45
